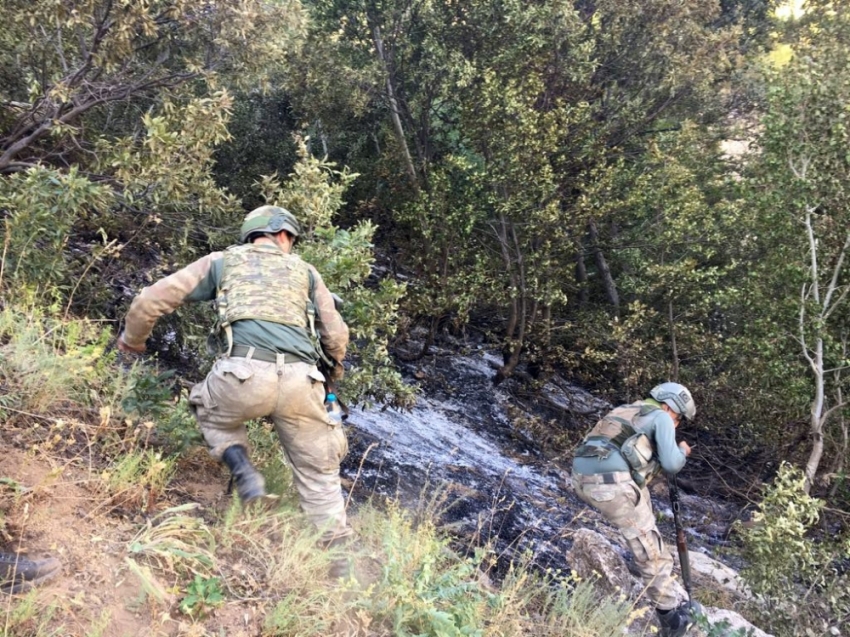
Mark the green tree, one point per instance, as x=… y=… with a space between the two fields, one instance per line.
x=109 y=113
x=677 y=216
x=345 y=257
x=802 y=191
x=484 y=124
x=71 y=59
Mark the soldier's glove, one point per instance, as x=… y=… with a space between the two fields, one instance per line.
x=127 y=355
x=122 y=346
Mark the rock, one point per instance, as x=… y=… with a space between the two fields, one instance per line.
x=735 y=622
x=704 y=566
x=592 y=556
x=708 y=571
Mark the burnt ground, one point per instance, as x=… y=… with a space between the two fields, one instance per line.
x=471 y=452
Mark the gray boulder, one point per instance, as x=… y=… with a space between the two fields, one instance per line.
x=592 y=556
x=734 y=622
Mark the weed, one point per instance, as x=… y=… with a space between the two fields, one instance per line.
x=267 y=456
x=720 y=629
x=99 y=627
x=45 y=361
x=149 y=393
x=424 y=588
x=152 y=588
x=202 y=595
x=138 y=479
x=175 y=542
x=26 y=617
x=302 y=613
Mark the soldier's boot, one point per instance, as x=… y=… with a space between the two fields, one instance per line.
x=340 y=565
x=19 y=573
x=678 y=621
x=250 y=484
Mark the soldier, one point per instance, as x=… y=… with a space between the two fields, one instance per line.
x=610 y=471
x=276 y=319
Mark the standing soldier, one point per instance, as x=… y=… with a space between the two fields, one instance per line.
x=610 y=471
x=276 y=319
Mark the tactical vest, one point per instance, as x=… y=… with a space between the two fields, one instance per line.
x=264 y=284
x=616 y=433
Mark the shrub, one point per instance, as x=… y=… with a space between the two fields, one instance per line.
x=46 y=360
x=776 y=546
x=149 y=393
x=801 y=581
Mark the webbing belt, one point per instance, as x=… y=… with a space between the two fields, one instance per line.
x=615 y=477
x=243 y=351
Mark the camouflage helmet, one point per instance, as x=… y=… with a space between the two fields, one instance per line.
x=268 y=219
x=676 y=397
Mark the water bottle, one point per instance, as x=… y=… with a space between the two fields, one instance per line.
x=334 y=410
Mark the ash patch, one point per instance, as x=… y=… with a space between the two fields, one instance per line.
x=457 y=451
x=457 y=456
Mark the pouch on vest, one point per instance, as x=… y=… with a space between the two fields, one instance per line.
x=638 y=452
x=215 y=345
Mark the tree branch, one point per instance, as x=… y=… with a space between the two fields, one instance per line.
x=833 y=284
x=813 y=248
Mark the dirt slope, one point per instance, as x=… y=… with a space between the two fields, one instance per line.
x=60 y=509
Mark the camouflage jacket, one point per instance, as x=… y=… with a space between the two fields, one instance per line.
x=201 y=280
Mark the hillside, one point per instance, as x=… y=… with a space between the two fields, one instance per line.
x=135 y=524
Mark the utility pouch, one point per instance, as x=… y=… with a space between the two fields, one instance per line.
x=637 y=450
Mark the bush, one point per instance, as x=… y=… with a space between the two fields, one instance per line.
x=46 y=361
x=801 y=582
x=776 y=547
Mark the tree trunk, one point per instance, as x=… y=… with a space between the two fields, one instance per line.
x=841 y=454
x=608 y=282
x=518 y=312
x=394 y=110
x=674 y=373
x=581 y=279
x=817 y=419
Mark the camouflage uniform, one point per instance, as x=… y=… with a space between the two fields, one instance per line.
x=607 y=484
x=265 y=297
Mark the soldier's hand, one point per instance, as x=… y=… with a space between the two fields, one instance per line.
x=126 y=356
x=127 y=349
x=685 y=447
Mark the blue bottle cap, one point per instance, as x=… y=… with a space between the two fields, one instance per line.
x=331 y=398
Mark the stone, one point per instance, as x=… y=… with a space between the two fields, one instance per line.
x=707 y=571
x=594 y=557
x=734 y=620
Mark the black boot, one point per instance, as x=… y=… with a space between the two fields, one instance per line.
x=340 y=566
x=676 y=622
x=250 y=484
x=19 y=573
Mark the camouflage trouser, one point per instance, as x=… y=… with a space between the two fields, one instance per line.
x=292 y=394
x=627 y=506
